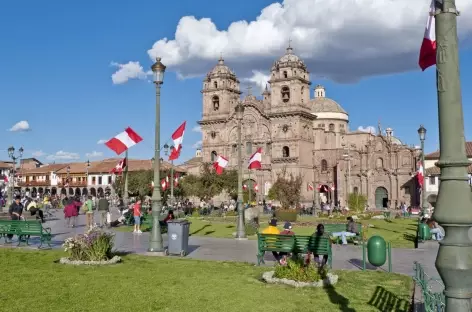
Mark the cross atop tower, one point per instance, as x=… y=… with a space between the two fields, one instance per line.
x=249 y=90
x=289 y=48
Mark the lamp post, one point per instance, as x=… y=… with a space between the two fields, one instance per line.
x=166 y=151
x=424 y=204
x=453 y=207
x=13 y=157
x=87 y=174
x=155 y=242
x=241 y=231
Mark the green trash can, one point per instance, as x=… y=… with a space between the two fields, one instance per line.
x=377 y=251
x=424 y=233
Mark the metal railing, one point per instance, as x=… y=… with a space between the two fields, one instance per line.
x=433 y=301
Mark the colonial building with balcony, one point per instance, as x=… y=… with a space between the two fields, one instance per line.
x=40 y=180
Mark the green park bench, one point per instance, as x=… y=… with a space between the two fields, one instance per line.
x=24 y=230
x=341 y=227
x=295 y=244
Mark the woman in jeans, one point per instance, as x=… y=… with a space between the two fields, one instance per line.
x=89 y=213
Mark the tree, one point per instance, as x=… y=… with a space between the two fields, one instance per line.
x=287 y=189
x=357 y=202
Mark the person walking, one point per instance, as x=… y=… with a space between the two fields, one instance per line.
x=89 y=213
x=103 y=209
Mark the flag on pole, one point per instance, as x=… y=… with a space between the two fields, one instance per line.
x=244 y=187
x=420 y=174
x=220 y=164
x=120 y=166
x=123 y=141
x=176 y=180
x=310 y=186
x=428 y=46
x=178 y=138
x=256 y=187
x=164 y=184
x=256 y=159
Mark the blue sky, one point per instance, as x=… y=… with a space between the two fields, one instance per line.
x=56 y=61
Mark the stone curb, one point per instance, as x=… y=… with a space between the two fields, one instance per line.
x=331 y=279
x=114 y=260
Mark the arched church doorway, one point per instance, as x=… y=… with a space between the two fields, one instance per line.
x=381 y=197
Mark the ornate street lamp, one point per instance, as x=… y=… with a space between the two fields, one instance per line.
x=14 y=158
x=424 y=204
x=241 y=231
x=155 y=242
x=453 y=209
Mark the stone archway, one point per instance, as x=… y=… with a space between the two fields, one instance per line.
x=93 y=192
x=63 y=191
x=100 y=191
x=381 y=197
x=71 y=191
x=84 y=191
x=53 y=191
x=77 y=192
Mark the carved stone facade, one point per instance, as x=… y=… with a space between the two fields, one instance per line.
x=304 y=136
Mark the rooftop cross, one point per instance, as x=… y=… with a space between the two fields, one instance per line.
x=249 y=90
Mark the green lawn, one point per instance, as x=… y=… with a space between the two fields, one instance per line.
x=32 y=281
x=400 y=232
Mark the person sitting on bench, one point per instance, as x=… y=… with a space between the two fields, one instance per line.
x=272 y=229
x=351 y=231
x=33 y=209
x=319 y=233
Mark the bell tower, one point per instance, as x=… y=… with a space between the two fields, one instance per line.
x=220 y=91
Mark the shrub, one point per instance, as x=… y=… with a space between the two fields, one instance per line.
x=94 y=245
x=286 y=215
x=297 y=270
x=251 y=228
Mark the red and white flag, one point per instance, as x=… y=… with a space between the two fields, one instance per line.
x=420 y=174
x=5 y=178
x=176 y=180
x=178 y=138
x=428 y=46
x=120 y=166
x=310 y=186
x=124 y=141
x=244 y=187
x=256 y=159
x=164 y=184
x=220 y=164
x=332 y=187
x=256 y=187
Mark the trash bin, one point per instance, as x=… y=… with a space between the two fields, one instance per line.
x=177 y=235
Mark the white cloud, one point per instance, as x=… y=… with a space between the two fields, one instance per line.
x=337 y=39
x=197 y=144
x=20 y=126
x=368 y=129
x=130 y=70
x=101 y=141
x=61 y=155
x=197 y=129
x=259 y=79
x=94 y=154
x=38 y=154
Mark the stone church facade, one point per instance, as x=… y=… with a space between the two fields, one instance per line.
x=304 y=136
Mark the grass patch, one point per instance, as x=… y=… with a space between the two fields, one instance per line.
x=400 y=232
x=169 y=284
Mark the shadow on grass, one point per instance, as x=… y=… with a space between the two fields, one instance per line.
x=338 y=299
x=230 y=227
x=385 y=300
x=384 y=229
x=200 y=229
x=209 y=232
x=409 y=237
x=358 y=263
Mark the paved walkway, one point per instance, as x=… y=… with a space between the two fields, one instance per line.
x=221 y=249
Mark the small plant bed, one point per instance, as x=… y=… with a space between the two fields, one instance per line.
x=95 y=247
x=298 y=273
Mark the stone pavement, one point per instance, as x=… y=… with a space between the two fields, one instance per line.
x=221 y=249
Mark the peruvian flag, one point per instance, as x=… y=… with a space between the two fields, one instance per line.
x=256 y=187
x=164 y=184
x=420 y=174
x=178 y=138
x=310 y=186
x=244 y=187
x=428 y=46
x=176 y=180
x=256 y=159
x=220 y=164
x=124 y=141
x=119 y=167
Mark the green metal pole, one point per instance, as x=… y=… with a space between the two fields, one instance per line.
x=249 y=188
x=125 y=191
x=155 y=243
x=241 y=231
x=454 y=205
x=172 y=183
x=424 y=203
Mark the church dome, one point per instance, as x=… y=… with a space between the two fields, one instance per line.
x=221 y=69
x=289 y=59
x=326 y=108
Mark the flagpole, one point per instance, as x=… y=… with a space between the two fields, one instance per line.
x=250 y=188
x=172 y=183
x=453 y=207
x=125 y=191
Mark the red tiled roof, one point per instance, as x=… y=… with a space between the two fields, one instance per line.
x=43 y=169
x=4 y=164
x=435 y=171
x=435 y=155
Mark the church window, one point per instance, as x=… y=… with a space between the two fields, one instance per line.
x=324 y=165
x=285 y=74
x=214 y=155
x=331 y=127
x=215 y=84
x=234 y=148
x=216 y=103
x=268 y=147
x=294 y=72
x=285 y=94
x=285 y=151
x=248 y=148
x=356 y=190
x=379 y=164
x=407 y=190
